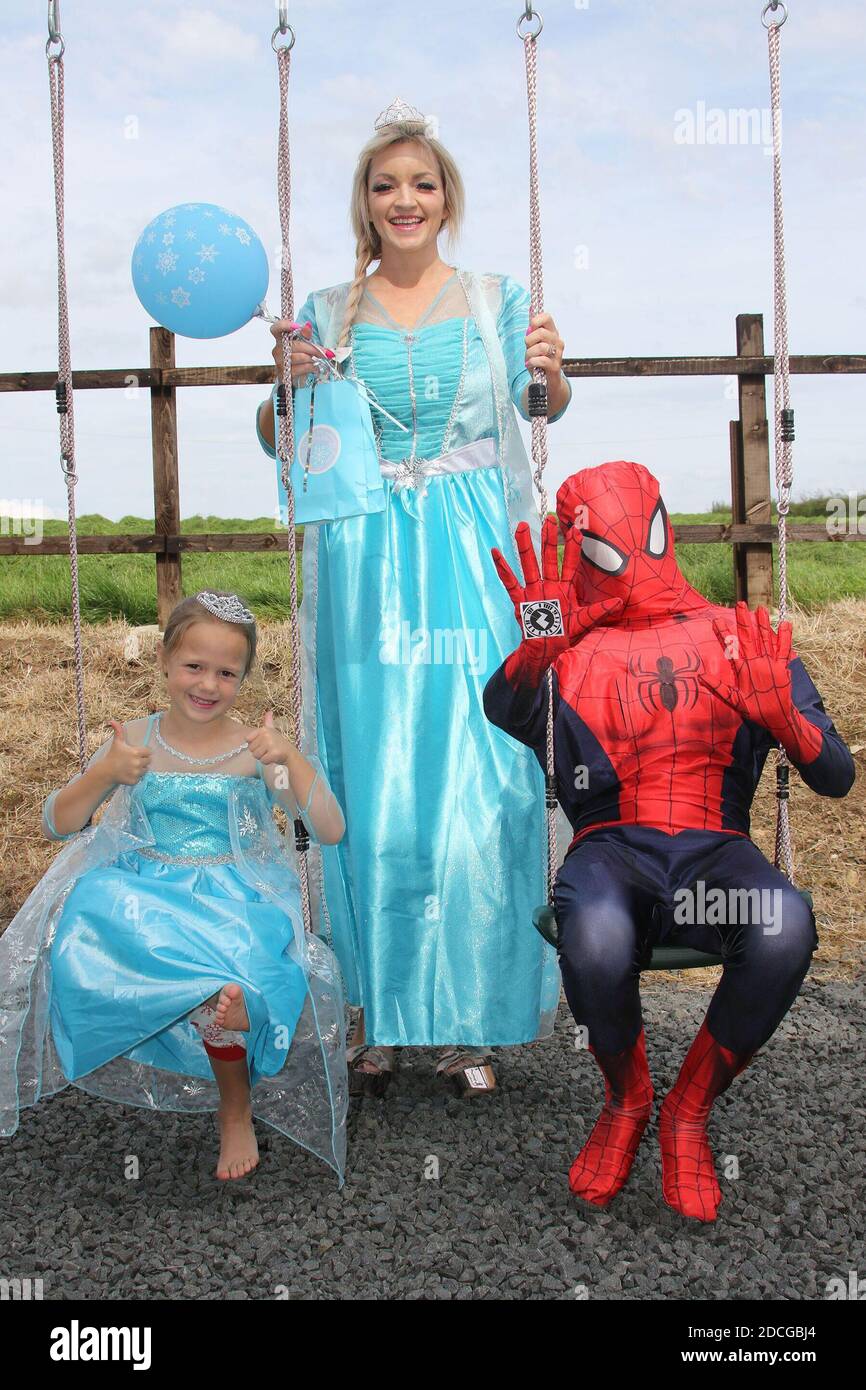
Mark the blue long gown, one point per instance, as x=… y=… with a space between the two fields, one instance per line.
x=428 y=899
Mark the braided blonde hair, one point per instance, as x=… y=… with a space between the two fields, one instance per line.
x=368 y=245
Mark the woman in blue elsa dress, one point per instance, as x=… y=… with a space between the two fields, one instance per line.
x=428 y=898
x=162 y=960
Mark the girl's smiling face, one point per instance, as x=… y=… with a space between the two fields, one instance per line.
x=405 y=196
x=204 y=673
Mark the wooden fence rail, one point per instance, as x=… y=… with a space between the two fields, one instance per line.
x=750 y=533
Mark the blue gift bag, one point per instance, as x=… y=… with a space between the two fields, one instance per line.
x=335 y=471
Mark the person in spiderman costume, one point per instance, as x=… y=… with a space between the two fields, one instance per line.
x=665 y=708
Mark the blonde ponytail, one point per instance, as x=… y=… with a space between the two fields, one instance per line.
x=363 y=259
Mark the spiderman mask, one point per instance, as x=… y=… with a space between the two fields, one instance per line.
x=627 y=551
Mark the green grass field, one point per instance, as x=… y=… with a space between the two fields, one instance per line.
x=125 y=585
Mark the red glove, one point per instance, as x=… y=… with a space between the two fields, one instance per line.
x=760 y=687
x=548 y=609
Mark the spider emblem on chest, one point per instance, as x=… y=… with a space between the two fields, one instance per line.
x=664 y=686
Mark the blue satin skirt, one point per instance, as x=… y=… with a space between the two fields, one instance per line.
x=430 y=893
x=141 y=943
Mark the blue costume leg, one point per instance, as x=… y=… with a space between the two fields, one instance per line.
x=604 y=899
x=767 y=936
x=604 y=903
x=767 y=940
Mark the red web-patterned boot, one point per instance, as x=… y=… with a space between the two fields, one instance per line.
x=689 y=1180
x=604 y=1162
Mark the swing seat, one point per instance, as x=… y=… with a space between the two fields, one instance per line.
x=663 y=957
x=544 y=921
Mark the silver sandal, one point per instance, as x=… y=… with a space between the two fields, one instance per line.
x=369 y=1083
x=468 y=1070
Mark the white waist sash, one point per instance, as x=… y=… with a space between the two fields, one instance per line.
x=481 y=453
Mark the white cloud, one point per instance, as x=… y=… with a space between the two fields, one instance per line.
x=679 y=238
x=196 y=38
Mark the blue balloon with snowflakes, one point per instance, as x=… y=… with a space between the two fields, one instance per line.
x=200 y=270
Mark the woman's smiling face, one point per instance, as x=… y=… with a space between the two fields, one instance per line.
x=405 y=196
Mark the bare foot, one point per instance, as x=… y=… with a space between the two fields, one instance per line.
x=231 y=1010
x=239 y=1152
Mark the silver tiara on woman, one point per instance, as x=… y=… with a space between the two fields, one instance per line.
x=399 y=113
x=225 y=606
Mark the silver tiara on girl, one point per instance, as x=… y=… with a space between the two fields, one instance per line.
x=225 y=606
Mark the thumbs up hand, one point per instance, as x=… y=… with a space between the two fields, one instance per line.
x=267 y=744
x=125 y=762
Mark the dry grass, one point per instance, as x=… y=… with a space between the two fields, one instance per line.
x=39 y=751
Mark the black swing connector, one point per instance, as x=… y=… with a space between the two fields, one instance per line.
x=302 y=837
x=537 y=399
x=787 y=426
x=550 y=792
x=783 y=789
x=281 y=399
x=60 y=398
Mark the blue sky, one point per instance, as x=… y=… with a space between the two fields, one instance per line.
x=677 y=236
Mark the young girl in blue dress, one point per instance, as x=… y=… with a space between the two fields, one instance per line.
x=162 y=960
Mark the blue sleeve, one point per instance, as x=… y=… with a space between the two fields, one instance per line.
x=512 y=325
x=278 y=797
x=286 y=801
x=268 y=448
x=306 y=311
x=521 y=710
x=49 y=829
x=832 y=772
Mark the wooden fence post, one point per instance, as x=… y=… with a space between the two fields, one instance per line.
x=750 y=470
x=166 y=487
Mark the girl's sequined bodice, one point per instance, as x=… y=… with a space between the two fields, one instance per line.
x=188 y=813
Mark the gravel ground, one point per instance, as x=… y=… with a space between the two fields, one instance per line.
x=497 y=1222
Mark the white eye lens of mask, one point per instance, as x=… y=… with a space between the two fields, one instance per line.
x=658 y=531
x=599 y=553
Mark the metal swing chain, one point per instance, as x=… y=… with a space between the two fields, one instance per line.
x=63 y=388
x=538 y=392
x=783 y=414
x=284 y=425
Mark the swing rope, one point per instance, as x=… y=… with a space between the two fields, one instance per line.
x=63 y=387
x=783 y=415
x=284 y=418
x=538 y=391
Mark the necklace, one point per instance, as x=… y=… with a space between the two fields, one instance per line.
x=185 y=757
